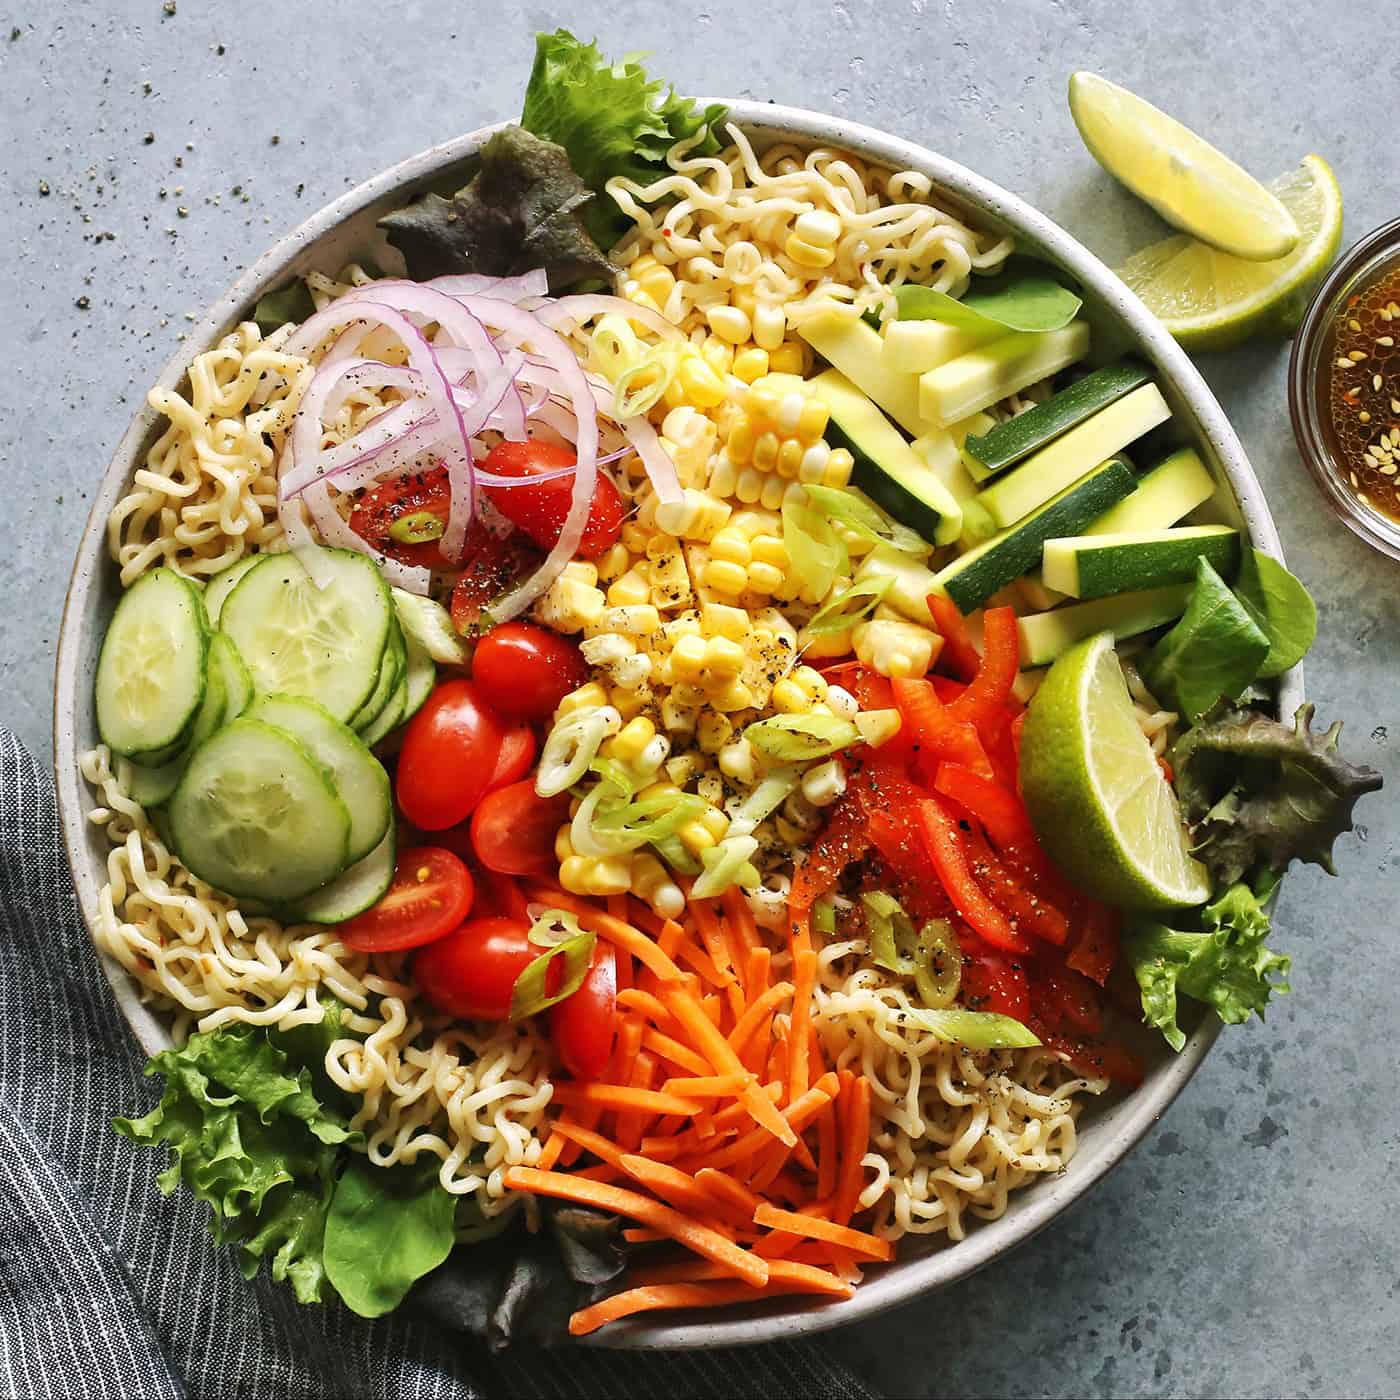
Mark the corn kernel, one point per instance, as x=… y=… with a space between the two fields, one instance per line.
x=806 y=254
x=841 y=701
x=824 y=782
x=729 y=544
x=688 y=657
x=895 y=648
x=697 y=516
x=724 y=476
x=627 y=744
x=769 y=549
x=811 y=680
x=670 y=579
x=689 y=693
x=686 y=624
x=715 y=820
x=750 y=364
x=735 y=696
x=580 y=875
x=813 y=420
x=787 y=358
x=632 y=671
x=726 y=577
x=606 y=649
x=769 y=326
x=774 y=488
x=819 y=227
x=632 y=589
x=762 y=401
x=591 y=696
x=765 y=451
x=700 y=385
x=717 y=354
x=740 y=443
x=723 y=657
x=789 y=698
x=720 y=620
x=614 y=563
x=710 y=786
x=737 y=761
x=789 y=458
x=629 y=702
x=765 y=578
x=744 y=299
x=749 y=486
x=713 y=731
x=677 y=718
x=631 y=619
x=651 y=882
x=563 y=843
x=683 y=767
x=634 y=293
x=839 y=466
x=730 y=323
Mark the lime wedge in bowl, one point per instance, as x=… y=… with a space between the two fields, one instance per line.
x=1185 y=179
x=1211 y=301
x=1098 y=798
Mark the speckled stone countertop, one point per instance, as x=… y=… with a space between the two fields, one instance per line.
x=1251 y=1246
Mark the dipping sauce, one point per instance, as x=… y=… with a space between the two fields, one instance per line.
x=1364 y=396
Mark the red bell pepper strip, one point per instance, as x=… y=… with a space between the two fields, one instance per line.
x=933 y=731
x=1000 y=811
x=843 y=841
x=946 y=688
x=1068 y=1002
x=1094 y=946
x=947 y=851
x=958 y=649
x=993 y=982
x=1094 y=1059
x=990 y=688
x=1027 y=910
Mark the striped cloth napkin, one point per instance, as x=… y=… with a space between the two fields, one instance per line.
x=109 y=1289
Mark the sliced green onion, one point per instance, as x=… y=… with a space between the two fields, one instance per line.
x=893 y=937
x=571 y=747
x=630 y=404
x=824 y=916
x=675 y=855
x=866 y=519
x=551 y=927
x=762 y=801
x=939 y=973
x=728 y=863
x=978 y=1030
x=797 y=738
x=614 y=775
x=417 y=527
x=815 y=552
x=651 y=819
x=849 y=606
x=528 y=997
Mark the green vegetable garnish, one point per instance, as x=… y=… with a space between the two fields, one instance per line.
x=559 y=933
x=762 y=801
x=815 y=552
x=1223 y=963
x=611 y=119
x=978 y=1030
x=797 y=738
x=417 y=527
x=929 y=955
x=939 y=974
x=824 y=916
x=848 y=607
x=1214 y=651
x=858 y=514
x=1281 y=607
x=290 y=303
x=728 y=863
x=628 y=825
x=1008 y=302
x=1256 y=793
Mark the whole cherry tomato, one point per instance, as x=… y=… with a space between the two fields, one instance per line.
x=581 y=1027
x=449 y=755
x=471 y=973
x=524 y=671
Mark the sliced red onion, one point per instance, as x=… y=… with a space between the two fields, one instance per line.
x=573 y=311
x=534 y=283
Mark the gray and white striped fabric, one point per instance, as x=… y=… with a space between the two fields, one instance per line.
x=109 y=1289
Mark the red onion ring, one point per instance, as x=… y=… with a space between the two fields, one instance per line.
x=574 y=310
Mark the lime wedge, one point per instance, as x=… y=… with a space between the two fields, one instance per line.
x=1100 y=803
x=1211 y=301
x=1185 y=179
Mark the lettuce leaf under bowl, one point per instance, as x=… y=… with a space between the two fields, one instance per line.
x=611 y=118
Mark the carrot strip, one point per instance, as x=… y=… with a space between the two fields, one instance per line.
x=815 y=1228
x=638 y=1234
x=702 y=1271
x=550 y=1153
x=796 y=1116
x=711 y=932
x=712 y=1008
x=590 y=1141
x=804 y=979
x=741 y=917
x=631 y=1126
x=629 y=1038
x=714 y=1086
x=695 y=1237
x=690 y=953
x=676 y=1188
x=758 y=1011
x=618 y=907
x=643 y=917
x=657 y=1298
x=599 y=1171
x=636 y=999
x=855 y=1142
x=757 y=971
x=618 y=933
x=661 y=1149
x=659 y=1043
x=671 y=937
x=727 y=1192
x=826 y=1150
x=622 y=1098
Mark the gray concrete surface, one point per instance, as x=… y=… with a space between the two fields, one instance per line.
x=1251 y=1246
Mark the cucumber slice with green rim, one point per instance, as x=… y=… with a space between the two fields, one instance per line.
x=1005 y=444
x=256 y=815
x=152 y=673
x=238 y=684
x=323 y=643
x=1044 y=636
x=355 y=774
x=152 y=786
x=362 y=885
x=1094 y=566
x=420 y=676
x=391 y=668
x=390 y=717
x=214 y=710
x=1164 y=495
x=218 y=588
x=427 y=622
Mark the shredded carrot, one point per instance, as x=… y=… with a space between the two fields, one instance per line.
x=644 y=1211
x=804 y=979
x=670 y=937
x=714 y=1086
x=618 y=907
x=758 y=1012
x=827 y=1158
x=550 y=1153
x=741 y=917
x=639 y=1234
x=855 y=1142
x=704 y=914
x=661 y=1149
x=656 y=1298
x=590 y=1141
x=790 y=1221
x=623 y=1098
x=676 y=1188
x=724 y=1189
x=693 y=955
x=659 y=1043
x=631 y=1126
x=619 y=1072
x=799 y=930
x=795 y=1117
x=756 y=970
x=692 y=1270
x=618 y=933
x=641 y=916
x=599 y=1171
x=635 y=999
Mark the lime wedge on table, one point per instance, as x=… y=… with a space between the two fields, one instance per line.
x=1185 y=179
x=1101 y=805
x=1211 y=301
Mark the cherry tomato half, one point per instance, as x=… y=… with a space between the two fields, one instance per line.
x=513 y=829
x=471 y=973
x=500 y=895
x=449 y=754
x=430 y=895
x=540 y=510
x=517 y=756
x=525 y=671
x=491 y=564
x=426 y=493
x=582 y=1026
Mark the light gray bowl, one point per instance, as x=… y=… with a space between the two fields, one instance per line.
x=346 y=229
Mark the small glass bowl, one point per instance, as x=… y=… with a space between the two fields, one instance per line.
x=1309 y=384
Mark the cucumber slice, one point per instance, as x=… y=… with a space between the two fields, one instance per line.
x=256 y=815
x=1094 y=566
x=1044 y=636
x=391 y=669
x=213 y=711
x=152 y=786
x=355 y=774
x=362 y=885
x=981 y=377
x=152 y=673
x=323 y=643
x=420 y=676
x=427 y=622
x=238 y=684
x=1166 y=494
x=390 y=717
x=223 y=583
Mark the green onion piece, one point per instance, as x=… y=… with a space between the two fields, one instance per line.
x=797 y=738
x=571 y=746
x=417 y=527
x=651 y=819
x=849 y=606
x=728 y=863
x=551 y=927
x=528 y=997
x=670 y=849
x=815 y=552
x=862 y=516
x=939 y=973
x=893 y=938
x=762 y=801
x=628 y=403
x=824 y=916
x=614 y=775
x=978 y=1030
